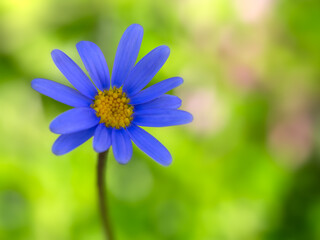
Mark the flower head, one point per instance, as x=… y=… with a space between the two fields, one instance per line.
x=111 y=110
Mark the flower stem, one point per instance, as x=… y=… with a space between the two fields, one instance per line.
x=103 y=206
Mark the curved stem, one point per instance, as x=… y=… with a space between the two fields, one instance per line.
x=103 y=206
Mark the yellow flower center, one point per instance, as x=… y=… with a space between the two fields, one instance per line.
x=113 y=107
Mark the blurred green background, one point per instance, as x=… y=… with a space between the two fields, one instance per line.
x=247 y=168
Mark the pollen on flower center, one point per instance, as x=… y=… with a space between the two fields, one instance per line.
x=113 y=108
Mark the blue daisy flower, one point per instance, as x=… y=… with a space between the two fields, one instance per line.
x=111 y=110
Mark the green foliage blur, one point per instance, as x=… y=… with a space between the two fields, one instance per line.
x=247 y=168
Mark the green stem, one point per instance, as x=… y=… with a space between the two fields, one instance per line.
x=103 y=206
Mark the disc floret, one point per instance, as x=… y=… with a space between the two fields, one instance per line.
x=113 y=108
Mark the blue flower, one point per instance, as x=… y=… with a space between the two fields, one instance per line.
x=112 y=111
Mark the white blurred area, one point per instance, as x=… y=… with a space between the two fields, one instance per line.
x=252 y=11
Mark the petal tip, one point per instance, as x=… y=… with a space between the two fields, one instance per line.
x=56 y=151
x=180 y=80
x=167 y=163
x=34 y=83
x=165 y=49
x=189 y=117
x=56 y=55
x=83 y=43
x=55 y=51
x=52 y=128
x=123 y=161
x=98 y=149
x=80 y=44
x=136 y=27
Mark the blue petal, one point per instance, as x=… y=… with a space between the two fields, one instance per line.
x=165 y=101
x=127 y=54
x=74 y=120
x=161 y=117
x=95 y=63
x=73 y=73
x=148 y=144
x=60 y=93
x=145 y=70
x=156 y=90
x=121 y=145
x=67 y=142
x=102 y=138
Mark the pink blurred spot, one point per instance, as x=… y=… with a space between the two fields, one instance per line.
x=291 y=139
x=244 y=77
x=252 y=11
